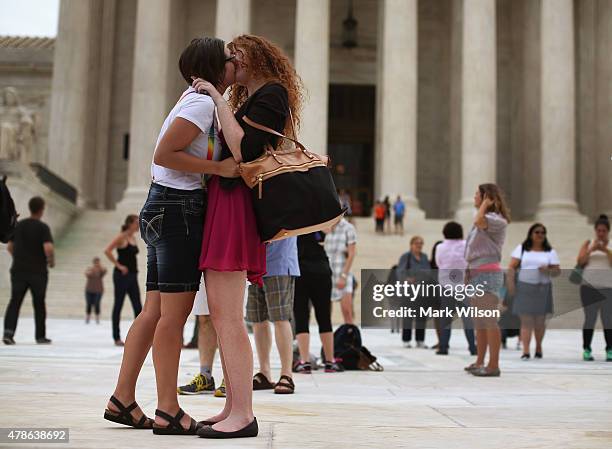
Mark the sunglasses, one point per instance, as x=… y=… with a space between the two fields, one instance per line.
x=230 y=58
x=540 y=232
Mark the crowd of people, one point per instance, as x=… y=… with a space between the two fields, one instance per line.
x=525 y=291
x=204 y=256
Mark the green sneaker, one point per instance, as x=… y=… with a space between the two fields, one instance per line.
x=220 y=392
x=199 y=385
x=586 y=356
x=609 y=355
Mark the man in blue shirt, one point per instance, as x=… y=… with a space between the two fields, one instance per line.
x=274 y=302
x=399 y=208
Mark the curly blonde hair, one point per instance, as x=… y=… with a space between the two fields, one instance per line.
x=268 y=61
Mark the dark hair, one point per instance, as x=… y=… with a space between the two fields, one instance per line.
x=432 y=262
x=128 y=222
x=602 y=220
x=528 y=242
x=452 y=231
x=204 y=58
x=499 y=205
x=36 y=205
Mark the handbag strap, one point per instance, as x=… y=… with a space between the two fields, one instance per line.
x=263 y=128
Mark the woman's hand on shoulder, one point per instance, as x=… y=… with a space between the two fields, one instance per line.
x=204 y=87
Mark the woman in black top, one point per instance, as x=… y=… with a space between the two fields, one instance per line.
x=267 y=88
x=125 y=274
x=314 y=285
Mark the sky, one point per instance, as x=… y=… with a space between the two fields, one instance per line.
x=29 y=17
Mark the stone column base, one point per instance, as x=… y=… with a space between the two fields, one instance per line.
x=559 y=210
x=133 y=200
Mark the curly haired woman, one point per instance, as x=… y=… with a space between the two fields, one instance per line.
x=267 y=90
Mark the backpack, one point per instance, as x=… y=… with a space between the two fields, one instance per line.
x=348 y=347
x=8 y=214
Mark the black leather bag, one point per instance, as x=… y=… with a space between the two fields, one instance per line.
x=293 y=190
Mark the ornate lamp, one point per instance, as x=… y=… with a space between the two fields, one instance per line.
x=349 y=29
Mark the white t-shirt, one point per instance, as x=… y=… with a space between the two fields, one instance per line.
x=531 y=261
x=199 y=110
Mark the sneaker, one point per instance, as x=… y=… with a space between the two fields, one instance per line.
x=525 y=357
x=609 y=355
x=302 y=367
x=407 y=344
x=334 y=367
x=587 y=356
x=199 y=385
x=43 y=341
x=220 y=392
x=421 y=345
x=8 y=340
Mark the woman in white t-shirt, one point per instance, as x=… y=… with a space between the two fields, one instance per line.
x=171 y=224
x=537 y=262
x=596 y=290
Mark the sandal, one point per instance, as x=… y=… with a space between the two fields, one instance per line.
x=174 y=426
x=124 y=415
x=285 y=385
x=261 y=382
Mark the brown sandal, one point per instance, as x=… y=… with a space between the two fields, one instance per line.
x=285 y=385
x=124 y=415
x=261 y=382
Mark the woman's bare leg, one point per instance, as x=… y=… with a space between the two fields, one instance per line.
x=137 y=344
x=167 y=342
x=539 y=331
x=225 y=290
x=527 y=326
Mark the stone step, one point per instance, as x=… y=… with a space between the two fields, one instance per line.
x=91 y=232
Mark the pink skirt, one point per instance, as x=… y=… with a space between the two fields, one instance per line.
x=231 y=241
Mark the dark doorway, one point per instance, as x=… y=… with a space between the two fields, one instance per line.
x=351 y=134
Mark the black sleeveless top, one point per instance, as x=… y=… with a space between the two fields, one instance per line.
x=268 y=106
x=127 y=257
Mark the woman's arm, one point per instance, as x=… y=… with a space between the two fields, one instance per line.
x=270 y=108
x=481 y=220
x=510 y=275
x=109 y=253
x=169 y=153
x=583 y=254
x=232 y=131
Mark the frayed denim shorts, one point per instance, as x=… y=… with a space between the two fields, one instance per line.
x=171 y=224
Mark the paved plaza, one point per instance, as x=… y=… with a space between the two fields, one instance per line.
x=421 y=400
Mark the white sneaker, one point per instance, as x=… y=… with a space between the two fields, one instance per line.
x=407 y=344
x=421 y=345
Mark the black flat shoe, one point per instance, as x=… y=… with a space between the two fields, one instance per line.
x=174 y=426
x=538 y=355
x=250 y=430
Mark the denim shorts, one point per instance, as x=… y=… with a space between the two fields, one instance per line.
x=171 y=224
x=490 y=281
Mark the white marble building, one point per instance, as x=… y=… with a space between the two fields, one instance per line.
x=437 y=96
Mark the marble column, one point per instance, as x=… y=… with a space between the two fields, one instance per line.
x=396 y=142
x=70 y=155
x=557 y=100
x=312 y=63
x=233 y=18
x=149 y=95
x=478 y=102
x=604 y=106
